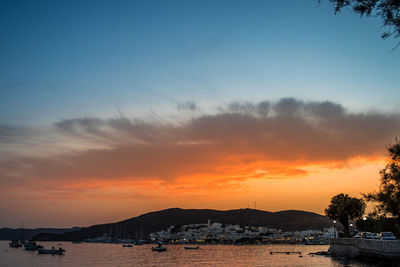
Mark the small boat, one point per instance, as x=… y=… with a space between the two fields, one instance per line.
x=15 y=244
x=192 y=247
x=31 y=245
x=159 y=249
x=52 y=251
x=127 y=245
x=285 y=252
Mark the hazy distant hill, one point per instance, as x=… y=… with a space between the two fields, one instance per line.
x=289 y=220
x=27 y=234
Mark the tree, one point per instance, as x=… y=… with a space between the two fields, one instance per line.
x=388 y=196
x=388 y=10
x=344 y=208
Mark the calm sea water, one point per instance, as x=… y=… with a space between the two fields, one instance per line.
x=89 y=254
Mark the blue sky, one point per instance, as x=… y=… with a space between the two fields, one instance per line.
x=65 y=59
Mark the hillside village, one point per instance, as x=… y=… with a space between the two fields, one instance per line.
x=235 y=234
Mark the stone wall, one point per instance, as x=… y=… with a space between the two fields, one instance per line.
x=365 y=248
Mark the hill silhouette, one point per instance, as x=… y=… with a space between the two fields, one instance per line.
x=289 y=220
x=28 y=234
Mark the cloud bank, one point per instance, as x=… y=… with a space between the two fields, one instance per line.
x=240 y=141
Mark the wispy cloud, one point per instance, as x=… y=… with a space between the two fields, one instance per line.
x=190 y=106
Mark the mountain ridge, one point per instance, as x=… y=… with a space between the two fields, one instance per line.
x=288 y=220
x=7 y=233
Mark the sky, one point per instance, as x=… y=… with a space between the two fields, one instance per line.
x=110 y=109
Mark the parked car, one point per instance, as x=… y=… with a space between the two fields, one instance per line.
x=358 y=235
x=387 y=236
x=369 y=235
x=375 y=236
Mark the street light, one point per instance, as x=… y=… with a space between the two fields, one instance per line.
x=334 y=228
x=351 y=229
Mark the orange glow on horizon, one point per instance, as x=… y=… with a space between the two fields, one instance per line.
x=304 y=187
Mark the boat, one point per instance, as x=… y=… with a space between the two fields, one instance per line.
x=15 y=243
x=31 y=245
x=127 y=245
x=192 y=247
x=52 y=251
x=139 y=242
x=159 y=248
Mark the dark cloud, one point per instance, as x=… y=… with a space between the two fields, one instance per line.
x=276 y=137
x=288 y=106
x=324 y=109
x=249 y=108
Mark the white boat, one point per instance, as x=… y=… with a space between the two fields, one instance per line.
x=52 y=251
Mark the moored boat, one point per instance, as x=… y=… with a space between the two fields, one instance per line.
x=31 y=245
x=159 y=248
x=15 y=244
x=192 y=247
x=52 y=251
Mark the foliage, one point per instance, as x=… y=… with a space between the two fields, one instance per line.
x=388 y=196
x=387 y=10
x=344 y=208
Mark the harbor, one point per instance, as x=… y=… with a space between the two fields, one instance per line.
x=109 y=254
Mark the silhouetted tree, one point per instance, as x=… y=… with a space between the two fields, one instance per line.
x=344 y=208
x=388 y=196
x=387 y=10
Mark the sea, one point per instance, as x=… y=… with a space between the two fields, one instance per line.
x=98 y=254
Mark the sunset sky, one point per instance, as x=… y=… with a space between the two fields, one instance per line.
x=110 y=109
